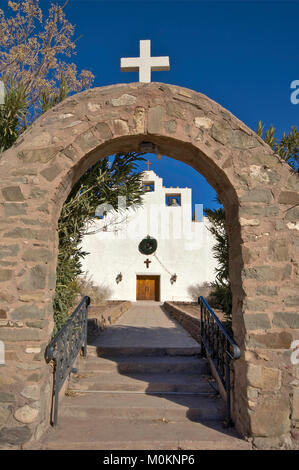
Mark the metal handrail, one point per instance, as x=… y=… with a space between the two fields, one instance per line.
x=65 y=346
x=220 y=347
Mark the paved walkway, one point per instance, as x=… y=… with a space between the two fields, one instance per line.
x=146 y=325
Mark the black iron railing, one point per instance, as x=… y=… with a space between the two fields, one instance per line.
x=65 y=346
x=219 y=346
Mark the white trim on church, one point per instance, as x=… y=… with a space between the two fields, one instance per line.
x=184 y=252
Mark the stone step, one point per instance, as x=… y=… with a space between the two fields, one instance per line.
x=182 y=444
x=110 y=351
x=145 y=364
x=150 y=382
x=142 y=407
x=113 y=433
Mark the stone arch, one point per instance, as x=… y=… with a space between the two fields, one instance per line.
x=259 y=194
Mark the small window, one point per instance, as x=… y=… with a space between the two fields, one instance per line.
x=148 y=187
x=99 y=213
x=173 y=200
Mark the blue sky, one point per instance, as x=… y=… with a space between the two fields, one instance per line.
x=242 y=54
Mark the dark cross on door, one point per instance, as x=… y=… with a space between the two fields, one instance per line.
x=148 y=163
x=147 y=262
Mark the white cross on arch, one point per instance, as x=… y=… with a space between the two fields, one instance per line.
x=145 y=63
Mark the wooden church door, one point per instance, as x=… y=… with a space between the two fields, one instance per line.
x=147 y=288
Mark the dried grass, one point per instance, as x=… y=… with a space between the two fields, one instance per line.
x=97 y=293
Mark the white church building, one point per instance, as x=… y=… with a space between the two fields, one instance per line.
x=154 y=252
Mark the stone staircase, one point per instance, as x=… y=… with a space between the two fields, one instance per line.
x=142 y=398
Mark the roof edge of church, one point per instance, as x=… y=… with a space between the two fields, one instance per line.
x=146 y=172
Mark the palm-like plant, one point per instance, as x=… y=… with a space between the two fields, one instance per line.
x=12 y=114
x=221 y=288
x=287 y=147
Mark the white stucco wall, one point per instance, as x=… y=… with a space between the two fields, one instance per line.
x=184 y=246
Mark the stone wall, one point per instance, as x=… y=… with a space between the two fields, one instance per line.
x=188 y=321
x=260 y=196
x=101 y=317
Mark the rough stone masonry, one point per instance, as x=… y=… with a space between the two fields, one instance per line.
x=260 y=196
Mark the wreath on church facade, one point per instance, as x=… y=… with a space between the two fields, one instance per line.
x=148 y=245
